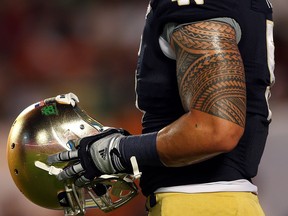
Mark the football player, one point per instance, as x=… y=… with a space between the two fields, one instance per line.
x=204 y=75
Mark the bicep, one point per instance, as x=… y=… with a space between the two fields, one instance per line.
x=210 y=71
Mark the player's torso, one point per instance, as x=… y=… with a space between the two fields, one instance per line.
x=157 y=91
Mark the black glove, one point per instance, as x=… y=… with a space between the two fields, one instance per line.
x=94 y=156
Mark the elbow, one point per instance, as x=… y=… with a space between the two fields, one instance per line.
x=227 y=140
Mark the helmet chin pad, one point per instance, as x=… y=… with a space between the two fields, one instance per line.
x=45 y=128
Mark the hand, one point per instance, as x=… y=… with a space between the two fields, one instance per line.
x=94 y=156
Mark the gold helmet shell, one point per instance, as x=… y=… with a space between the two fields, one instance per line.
x=42 y=129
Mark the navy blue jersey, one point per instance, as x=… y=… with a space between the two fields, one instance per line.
x=158 y=96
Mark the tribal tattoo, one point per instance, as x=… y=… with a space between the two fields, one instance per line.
x=210 y=70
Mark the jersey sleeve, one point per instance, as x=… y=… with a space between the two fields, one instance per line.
x=169 y=28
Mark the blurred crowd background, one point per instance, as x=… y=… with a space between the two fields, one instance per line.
x=89 y=47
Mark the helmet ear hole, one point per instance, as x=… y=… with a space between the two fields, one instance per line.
x=63 y=199
x=13 y=145
x=16 y=171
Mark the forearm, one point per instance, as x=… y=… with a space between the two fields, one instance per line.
x=194 y=137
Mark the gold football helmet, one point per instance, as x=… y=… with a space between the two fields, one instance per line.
x=48 y=127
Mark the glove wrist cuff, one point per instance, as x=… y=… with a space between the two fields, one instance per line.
x=143 y=147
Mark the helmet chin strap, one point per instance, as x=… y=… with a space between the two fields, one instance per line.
x=55 y=171
x=136 y=173
x=69 y=98
x=50 y=169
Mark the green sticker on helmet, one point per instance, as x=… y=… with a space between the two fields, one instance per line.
x=49 y=110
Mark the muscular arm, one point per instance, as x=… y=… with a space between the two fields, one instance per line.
x=211 y=81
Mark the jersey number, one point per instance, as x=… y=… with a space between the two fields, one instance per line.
x=187 y=2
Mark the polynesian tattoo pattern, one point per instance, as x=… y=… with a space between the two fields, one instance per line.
x=210 y=71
